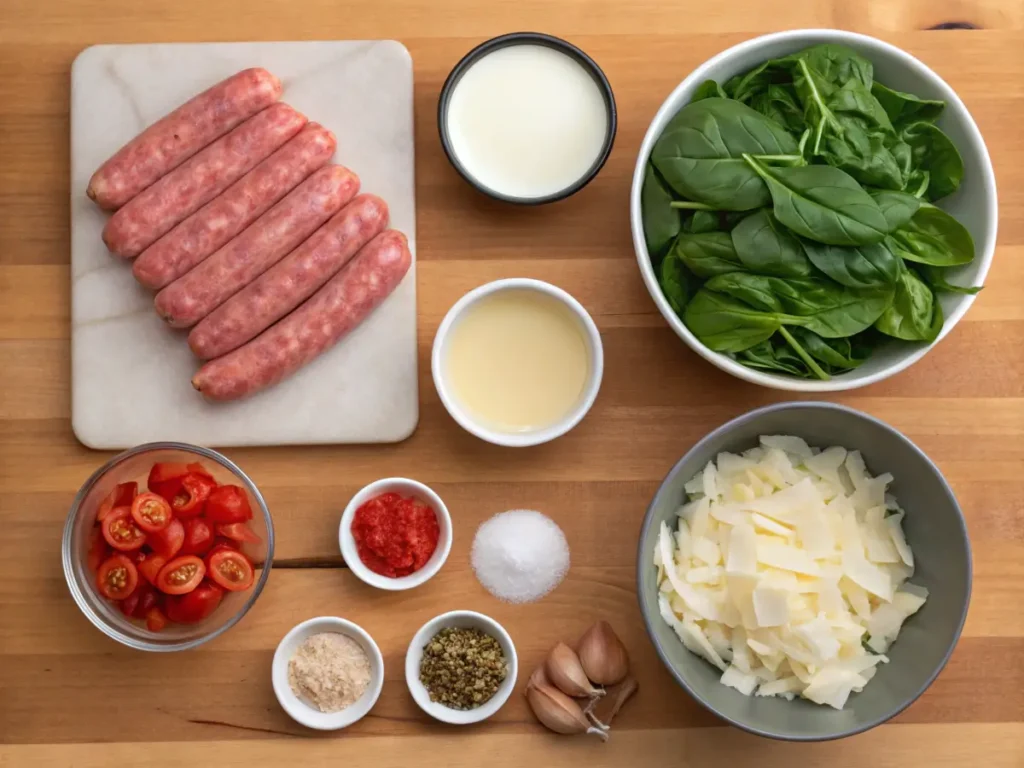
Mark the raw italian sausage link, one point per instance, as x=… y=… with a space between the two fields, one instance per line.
x=196 y=294
x=291 y=281
x=229 y=213
x=198 y=180
x=317 y=325
x=175 y=138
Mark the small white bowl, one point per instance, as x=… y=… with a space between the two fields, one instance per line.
x=404 y=487
x=974 y=204
x=413 y=657
x=303 y=712
x=595 y=352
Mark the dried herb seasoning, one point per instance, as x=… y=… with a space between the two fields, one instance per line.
x=462 y=668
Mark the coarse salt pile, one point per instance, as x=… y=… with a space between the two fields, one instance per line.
x=520 y=555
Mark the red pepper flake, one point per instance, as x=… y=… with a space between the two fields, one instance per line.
x=395 y=536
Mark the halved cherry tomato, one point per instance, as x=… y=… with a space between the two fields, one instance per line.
x=149 y=566
x=239 y=532
x=138 y=603
x=121 y=496
x=196 y=605
x=98 y=550
x=120 y=530
x=191 y=497
x=228 y=504
x=231 y=570
x=117 y=577
x=181 y=575
x=167 y=542
x=198 y=537
x=165 y=478
x=151 y=512
x=198 y=469
x=155 y=619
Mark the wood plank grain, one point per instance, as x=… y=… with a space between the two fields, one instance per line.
x=895 y=746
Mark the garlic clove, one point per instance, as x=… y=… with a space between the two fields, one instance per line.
x=539 y=679
x=604 y=710
x=564 y=669
x=559 y=713
x=602 y=655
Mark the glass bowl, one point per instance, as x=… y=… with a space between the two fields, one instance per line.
x=134 y=464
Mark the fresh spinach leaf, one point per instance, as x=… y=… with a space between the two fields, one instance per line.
x=823 y=204
x=709 y=89
x=862 y=266
x=660 y=220
x=707 y=254
x=702 y=222
x=915 y=314
x=755 y=290
x=825 y=307
x=700 y=154
x=855 y=99
x=810 y=362
x=837 y=354
x=675 y=283
x=723 y=324
x=746 y=87
x=779 y=103
x=903 y=108
x=766 y=357
x=814 y=91
x=933 y=237
x=863 y=152
x=897 y=207
x=935 y=153
x=935 y=278
x=766 y=247
x=838 y=64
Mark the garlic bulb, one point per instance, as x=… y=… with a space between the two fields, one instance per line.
x=602 y=655
x=558 y=712
x=564 y=669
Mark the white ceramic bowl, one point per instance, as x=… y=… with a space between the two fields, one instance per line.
x=405 y=487
x=305 y=713
x=413 y=657
x=974 y=204
x=519 y=439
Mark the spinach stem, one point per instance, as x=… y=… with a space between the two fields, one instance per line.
x=690 y=205
x=924 y=185
x=810 y=361
x=789 y=160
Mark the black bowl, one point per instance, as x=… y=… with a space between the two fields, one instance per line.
x=521 y=38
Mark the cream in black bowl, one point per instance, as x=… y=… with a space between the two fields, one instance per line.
x=527 y=118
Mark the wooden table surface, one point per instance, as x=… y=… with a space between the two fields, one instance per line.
x=71 y=697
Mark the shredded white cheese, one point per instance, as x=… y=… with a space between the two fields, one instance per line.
x=788 y=571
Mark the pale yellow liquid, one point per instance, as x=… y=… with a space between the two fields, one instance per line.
x=517 y=361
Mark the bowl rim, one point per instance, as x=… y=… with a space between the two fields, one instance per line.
x=67 y=556
x=775 y=381
x=347 y=545
x=527 y=38
x=460 y=716
x=538 y=436
x=300 y=711
x=643 y=566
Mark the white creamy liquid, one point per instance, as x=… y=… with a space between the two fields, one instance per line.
x=527 y=121
x=517 y=361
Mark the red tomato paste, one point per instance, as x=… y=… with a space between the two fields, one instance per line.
x=395 y=536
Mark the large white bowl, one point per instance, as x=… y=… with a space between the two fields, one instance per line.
x=974 y=204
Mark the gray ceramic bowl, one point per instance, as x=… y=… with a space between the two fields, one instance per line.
x=934 y=528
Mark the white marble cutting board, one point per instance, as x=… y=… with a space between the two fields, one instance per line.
x=130 y=373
